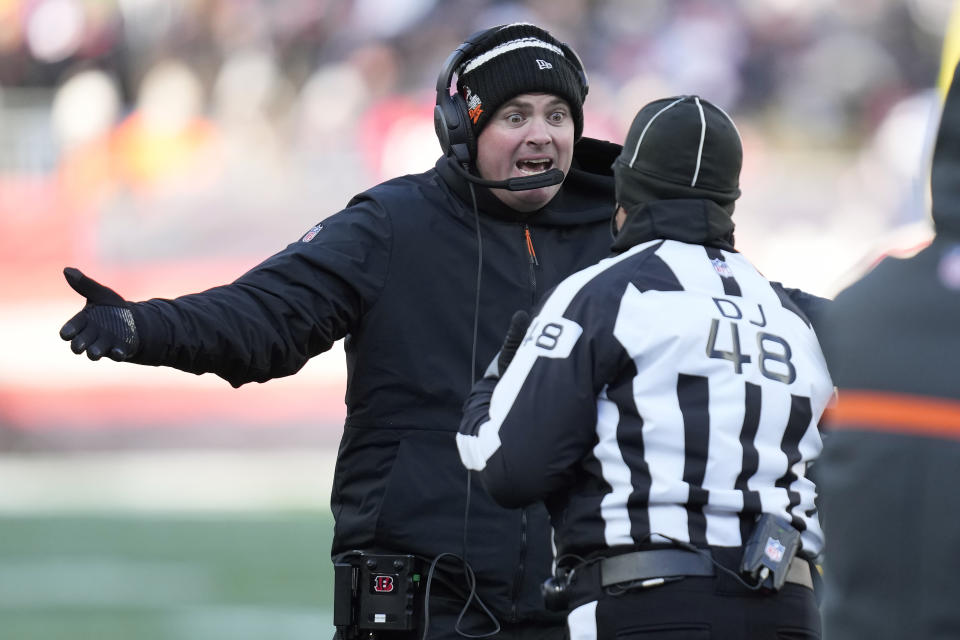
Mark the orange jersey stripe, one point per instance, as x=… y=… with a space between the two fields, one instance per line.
x=895 y=413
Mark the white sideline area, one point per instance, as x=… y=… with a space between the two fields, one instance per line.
x=167 y=481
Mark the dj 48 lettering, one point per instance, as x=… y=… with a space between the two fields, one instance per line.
x=774 y=352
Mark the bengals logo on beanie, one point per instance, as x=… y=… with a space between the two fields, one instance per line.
x=515 y=59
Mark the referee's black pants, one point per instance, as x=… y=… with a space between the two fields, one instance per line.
x=698 y=608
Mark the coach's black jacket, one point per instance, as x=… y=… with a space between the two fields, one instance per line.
x=395 y=275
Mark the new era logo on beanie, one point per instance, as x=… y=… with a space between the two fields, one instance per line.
x=515 y=59
x=681 y=147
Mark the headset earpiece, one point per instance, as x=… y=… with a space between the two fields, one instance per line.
x=452 y=124
x=451 y=119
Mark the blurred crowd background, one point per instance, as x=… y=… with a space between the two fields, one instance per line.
x=165 y=146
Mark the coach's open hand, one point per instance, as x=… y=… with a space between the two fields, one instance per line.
x=105 y=326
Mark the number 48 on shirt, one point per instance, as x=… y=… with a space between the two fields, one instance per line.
x=773 y=352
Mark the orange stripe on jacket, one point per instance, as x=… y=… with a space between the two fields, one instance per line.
x=894 y=413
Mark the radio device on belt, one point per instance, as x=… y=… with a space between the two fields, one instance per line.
x=769 y=551
x=374 y=592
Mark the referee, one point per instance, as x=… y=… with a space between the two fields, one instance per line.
x=664 y=404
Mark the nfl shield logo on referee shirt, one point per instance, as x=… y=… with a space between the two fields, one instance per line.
x=722 y=268
x=314 y=230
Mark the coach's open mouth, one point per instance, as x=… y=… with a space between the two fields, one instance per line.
x=533 y=167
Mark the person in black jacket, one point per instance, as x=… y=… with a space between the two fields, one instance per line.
x=664 y=403
x=419 y=276
x=889 y=466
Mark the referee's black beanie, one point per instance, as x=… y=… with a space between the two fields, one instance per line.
x=680 y=147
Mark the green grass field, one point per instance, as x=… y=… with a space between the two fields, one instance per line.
x=195 y=576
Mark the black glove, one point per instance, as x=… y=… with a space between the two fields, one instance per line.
x=105 y=326
x=518 y=328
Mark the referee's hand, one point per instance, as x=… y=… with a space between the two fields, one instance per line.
x=105 y=326
x=518 y=328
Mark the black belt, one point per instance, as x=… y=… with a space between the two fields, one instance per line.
x=656 y=563
x=669 y=563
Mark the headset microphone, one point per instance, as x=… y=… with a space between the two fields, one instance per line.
x=545 y=179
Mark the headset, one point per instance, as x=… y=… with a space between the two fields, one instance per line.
x=451 y=119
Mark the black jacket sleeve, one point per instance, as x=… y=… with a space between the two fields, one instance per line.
x=273 y=319
x=526 y=433
x=811 y=307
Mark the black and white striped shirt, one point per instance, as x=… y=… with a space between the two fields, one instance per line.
x=668 y=392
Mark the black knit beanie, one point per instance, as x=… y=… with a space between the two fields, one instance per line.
x=520 y=58
x=681 y=147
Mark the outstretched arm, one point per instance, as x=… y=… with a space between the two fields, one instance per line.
x=266 y=324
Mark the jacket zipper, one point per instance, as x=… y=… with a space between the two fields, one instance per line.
x=520 y=566
x=532 y=261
